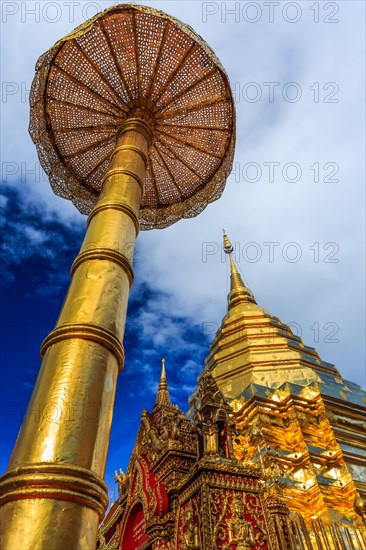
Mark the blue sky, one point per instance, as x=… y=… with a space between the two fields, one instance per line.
x=293 y=206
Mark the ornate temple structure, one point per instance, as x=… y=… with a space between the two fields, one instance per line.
x=269 y=455
x=185 y=489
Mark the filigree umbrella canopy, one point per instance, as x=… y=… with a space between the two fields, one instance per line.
x=126 y=60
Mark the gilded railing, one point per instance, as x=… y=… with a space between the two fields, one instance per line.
x=327 y=537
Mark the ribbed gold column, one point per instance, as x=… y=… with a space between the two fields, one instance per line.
x=53 y=494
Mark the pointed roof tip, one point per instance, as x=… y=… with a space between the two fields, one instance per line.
x=163 y=373
x=162 y=396
x=239 y=293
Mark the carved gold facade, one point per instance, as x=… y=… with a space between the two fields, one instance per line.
x=294 y=413
x=184 y=489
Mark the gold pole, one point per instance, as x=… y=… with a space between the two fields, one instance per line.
x=53 y=493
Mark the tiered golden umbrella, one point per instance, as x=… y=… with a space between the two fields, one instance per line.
x=133 y=120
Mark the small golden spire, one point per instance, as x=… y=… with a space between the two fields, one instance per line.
x=228 y=247
x=239 y=293
x=162 y=397
x=163 y=373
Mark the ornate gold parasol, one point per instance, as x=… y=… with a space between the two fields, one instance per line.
x=128 y=60
x=133 y=121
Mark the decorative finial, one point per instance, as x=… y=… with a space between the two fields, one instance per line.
x=119 y=477
x=162 y=396
x=239 y=293
x=360 y=507
x=228 y=247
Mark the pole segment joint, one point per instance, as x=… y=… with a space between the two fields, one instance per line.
x=81 y=359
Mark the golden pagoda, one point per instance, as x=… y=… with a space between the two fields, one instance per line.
x=294 y=414
x=269 y=455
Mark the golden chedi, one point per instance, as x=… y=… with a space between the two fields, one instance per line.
x=294 y=413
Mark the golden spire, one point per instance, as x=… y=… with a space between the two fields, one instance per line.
x=239 y=293
x=162 y=397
